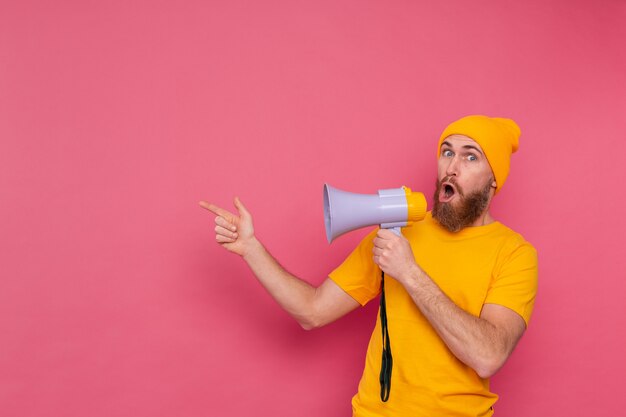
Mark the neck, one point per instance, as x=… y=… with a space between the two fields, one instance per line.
x=484 y=219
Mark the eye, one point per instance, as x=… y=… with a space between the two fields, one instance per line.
x=471 y=157
x=447 y=153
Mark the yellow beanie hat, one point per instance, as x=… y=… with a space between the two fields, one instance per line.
x=498 y=137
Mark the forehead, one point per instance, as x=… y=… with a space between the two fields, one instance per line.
x=460 y=141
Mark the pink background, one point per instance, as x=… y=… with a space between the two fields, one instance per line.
x=116 y=118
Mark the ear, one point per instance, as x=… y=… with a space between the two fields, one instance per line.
x=493 y=184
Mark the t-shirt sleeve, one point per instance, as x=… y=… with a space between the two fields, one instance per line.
x=358 y=275
x=514 y=283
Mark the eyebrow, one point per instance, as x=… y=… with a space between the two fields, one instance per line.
x=472 y=147
x=445 y=142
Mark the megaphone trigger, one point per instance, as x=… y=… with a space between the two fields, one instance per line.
x=397 y=230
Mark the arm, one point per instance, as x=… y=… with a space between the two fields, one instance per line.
x=484 y=343
x=311 y=307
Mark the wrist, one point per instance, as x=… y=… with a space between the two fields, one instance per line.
x=412 y=277
x=251 y=249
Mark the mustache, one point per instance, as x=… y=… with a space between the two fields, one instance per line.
x=449 y=179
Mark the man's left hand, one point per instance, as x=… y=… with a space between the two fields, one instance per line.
x=393 y=254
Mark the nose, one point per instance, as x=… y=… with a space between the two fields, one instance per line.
x=452 y=168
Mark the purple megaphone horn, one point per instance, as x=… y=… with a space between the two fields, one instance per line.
x=391 y=209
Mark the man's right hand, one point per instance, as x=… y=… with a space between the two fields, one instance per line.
x=312 y=307
x=235 y=233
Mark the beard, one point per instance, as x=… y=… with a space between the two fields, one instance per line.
x=469 y=209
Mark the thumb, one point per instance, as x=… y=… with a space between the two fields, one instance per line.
x=243 y=211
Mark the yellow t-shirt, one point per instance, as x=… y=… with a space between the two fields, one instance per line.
x=478 y=265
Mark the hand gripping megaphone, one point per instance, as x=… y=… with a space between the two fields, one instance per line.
x=391 y=209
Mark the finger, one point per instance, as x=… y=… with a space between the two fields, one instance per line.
x=220 y=221
x=379 y=243
x=224 y=239
x=385 y=234
x=225 y=232
x=217 y=210
x=243 y=211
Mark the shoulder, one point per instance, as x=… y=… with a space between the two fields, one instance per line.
x=515 y=251
x=513 y=241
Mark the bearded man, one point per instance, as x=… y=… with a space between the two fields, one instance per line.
x=460 y=290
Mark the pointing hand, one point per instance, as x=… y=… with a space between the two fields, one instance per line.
x=234 y=233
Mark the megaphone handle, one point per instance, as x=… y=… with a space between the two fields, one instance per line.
x=397 y=230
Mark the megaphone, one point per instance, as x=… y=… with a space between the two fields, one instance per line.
x=390 y=208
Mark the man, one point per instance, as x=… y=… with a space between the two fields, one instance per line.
x=461 y=285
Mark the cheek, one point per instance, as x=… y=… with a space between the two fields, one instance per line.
x=441 y=169
x=485 y=169
x=475 y=182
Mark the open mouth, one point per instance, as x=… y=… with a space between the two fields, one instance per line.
x=447 y=193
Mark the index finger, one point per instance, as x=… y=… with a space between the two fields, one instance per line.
x=217 y=210
x=385 y=233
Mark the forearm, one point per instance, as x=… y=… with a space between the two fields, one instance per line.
x=473 y=340
x=293 y=294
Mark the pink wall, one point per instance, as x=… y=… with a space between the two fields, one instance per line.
x=116 y=118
